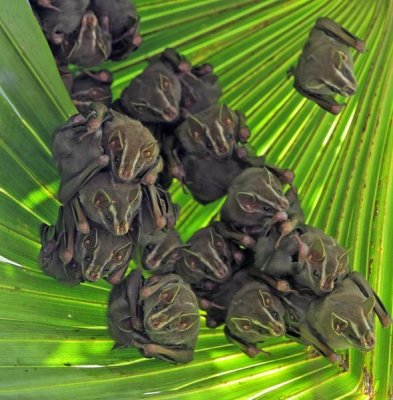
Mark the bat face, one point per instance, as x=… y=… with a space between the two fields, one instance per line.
x=161 y=250
x=91 y=45
x=356 y=329
x=326 y=264
x=101 y=254
x=213 y=131
x=171 y=312
x=131 y=147
x=60 y=17
x=111 y=204
x=254 y=197
x=207 y=257
x=91 y=87
x=255 y=314
x=154 y=96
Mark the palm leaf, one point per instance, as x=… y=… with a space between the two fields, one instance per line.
x=54 y=342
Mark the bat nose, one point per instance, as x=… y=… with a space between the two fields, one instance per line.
x=89 y=19
x=125 y=174
x=170 y=113
x=276 y=329
x=122 y=228
x=93 y=273
x=368 y=339
x=221 y=270
x=328 y=284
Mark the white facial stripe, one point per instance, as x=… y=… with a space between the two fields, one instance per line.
x=164 y=99
x=222 y=137
x=113 y=211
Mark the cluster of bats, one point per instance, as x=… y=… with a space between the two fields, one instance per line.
x=258 y=268
x=88 y=32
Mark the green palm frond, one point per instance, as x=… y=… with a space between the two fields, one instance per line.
x=54 y=342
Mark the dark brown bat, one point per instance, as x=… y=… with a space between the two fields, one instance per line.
x=325 y=66
x=101 y=254
x=343 y=318
x=89 y=87
x=158 y=316
x=59 y=18
x=254 y=315
x=77 y=151
x=88 y=46
x=123 y=25
x=161 y=250
x=109 y=203
x=153 y=96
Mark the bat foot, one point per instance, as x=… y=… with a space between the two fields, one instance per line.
x=66 y=256
x=242 y=152
x=247 y=241
x=161 y=222
x=149 y=179
x=177 y=171
x=333 y=358
x=244 y=134
x=336 y=108
x=252 y=351
x=386 y=321
x=211 y=323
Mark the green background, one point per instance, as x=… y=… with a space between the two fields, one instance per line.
x=53 y=339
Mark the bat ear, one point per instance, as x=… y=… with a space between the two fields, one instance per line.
x=317 y=251
x=116 y=141
x=342 y=261
x=266 y=298
x=150 y=151
x=338 y=58
x=368 y=306
x=125 y=324
x=315 y=84
x=242 y=324
x=168 y=296
x=101 y=199
x=195 y=129
x=225 y=115
x=186 y=321
x=338 y=324
x=247 y=201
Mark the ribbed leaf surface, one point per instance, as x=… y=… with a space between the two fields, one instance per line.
x=53 y=339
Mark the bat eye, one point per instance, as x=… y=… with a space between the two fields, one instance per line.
x=333 y=89
x=115 y=144
x=209 y=145
x=316 y=273
x=148 y=155
x=167 y=327
x=156 y=309
x=149 y=247
x=118 y=257
x=87 y=259
x=267 y=208
x=275 y=314
x=107 y=218
x=106 y=270
x=117 y=160
x=229 y=136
